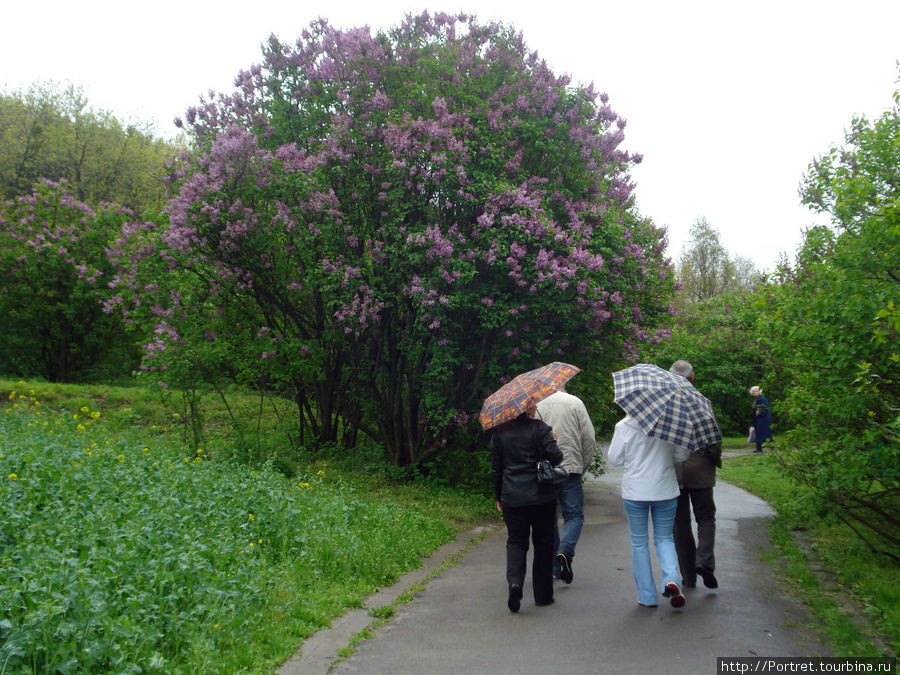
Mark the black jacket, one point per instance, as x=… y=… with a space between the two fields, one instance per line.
x=514 y=456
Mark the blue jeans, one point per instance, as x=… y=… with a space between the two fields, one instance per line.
x=663 y=515
x=570 y=494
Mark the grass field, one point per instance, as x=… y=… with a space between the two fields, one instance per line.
x=124 y=550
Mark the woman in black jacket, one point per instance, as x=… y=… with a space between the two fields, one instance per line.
x=527 y=506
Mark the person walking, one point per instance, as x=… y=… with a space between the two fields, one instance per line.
x=696 y=479
x=528 y=507
x=762 y=418
x=649 y=491
x=568 y=417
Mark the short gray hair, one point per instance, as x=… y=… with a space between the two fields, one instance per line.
x=683 y=368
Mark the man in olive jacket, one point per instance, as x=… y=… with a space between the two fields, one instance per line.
x=696 y=478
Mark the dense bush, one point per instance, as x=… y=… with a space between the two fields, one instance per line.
x=834 y=324
x=385 y=227
x=55 y=276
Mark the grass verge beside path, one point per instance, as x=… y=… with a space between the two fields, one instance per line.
x=854 y=593
x=123 y=550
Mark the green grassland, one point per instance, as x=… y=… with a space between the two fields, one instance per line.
x=124 y=549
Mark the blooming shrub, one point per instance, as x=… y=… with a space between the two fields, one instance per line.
x=388 y=226
x=55 y=271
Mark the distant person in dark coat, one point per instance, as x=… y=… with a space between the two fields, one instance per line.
x=762 y=418
x=528 y=507
x=696 y=478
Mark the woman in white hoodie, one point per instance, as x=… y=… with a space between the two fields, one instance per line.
x=649 y=490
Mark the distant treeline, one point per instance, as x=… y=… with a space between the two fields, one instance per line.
x=51 y=132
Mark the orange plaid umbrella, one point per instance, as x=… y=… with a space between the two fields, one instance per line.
x=514 y=397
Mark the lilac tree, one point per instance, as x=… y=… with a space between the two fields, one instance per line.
x=55 y=270
x=388 y=226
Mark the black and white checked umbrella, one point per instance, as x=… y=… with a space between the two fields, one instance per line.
x=666 y=406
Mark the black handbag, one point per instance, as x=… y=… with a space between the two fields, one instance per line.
x=547 y=473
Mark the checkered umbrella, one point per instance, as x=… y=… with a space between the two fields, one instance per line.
x=514 y=397
x=666 y=406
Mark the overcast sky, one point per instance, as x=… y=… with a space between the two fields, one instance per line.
x=728 y=102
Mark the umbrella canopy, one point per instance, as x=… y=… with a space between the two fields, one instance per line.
x=666 y=406
x=514 y=397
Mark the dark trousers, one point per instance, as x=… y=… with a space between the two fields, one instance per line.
x=538 y=521
x=701 y=552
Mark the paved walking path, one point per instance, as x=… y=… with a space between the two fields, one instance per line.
x=460 y=622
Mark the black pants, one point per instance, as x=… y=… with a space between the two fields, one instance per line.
x=701 y=552
x=538 y=521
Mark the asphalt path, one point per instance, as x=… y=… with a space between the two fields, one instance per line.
x=460 y=623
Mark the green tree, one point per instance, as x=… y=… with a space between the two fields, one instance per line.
x=706 y=269
x=53 y=133
x=835 y=328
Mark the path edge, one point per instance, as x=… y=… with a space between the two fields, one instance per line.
x=320 y=651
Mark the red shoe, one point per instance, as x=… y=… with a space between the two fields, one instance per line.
x=676 y=599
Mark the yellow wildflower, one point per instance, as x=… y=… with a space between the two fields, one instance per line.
x=304 y=485
x=251 y=517
x=85 y=409
x=320 y=473
x=95 y=415
x=13 y=476
x=80 y=427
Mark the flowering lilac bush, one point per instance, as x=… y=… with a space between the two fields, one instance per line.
x=55 y=270
x=388 y=226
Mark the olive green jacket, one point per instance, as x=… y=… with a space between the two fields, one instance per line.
x=699 y=470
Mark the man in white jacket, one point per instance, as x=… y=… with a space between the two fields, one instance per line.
x=569 y=418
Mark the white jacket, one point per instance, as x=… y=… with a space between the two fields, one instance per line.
x=649 y=463
x=571 y=423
